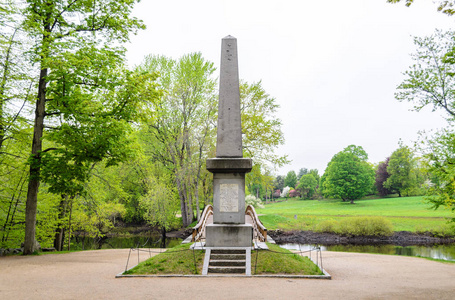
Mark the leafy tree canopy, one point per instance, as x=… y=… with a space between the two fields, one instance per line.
x=401 y=170
x=430 y=80
x=381 y=176
x=307 y=185
x=348 y=176
x=291 y=179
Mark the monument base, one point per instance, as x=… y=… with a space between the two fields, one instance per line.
x=229 y=235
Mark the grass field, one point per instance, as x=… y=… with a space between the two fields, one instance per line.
x=405 y=213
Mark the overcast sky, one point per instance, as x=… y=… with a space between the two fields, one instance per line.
x=332 y=65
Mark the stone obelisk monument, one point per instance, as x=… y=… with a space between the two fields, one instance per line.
x=229 y=167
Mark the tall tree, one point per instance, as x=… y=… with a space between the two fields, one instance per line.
x=16 y=77
x=68 y=36
x=182 y=124
x=430 y=82
x=315 y=174
x=348 y=175
x=184 y=120
x=290 y=180
x=439 y=158
x=279 y=183
x=381 y=176
x=261 y=129
x=402 y=171
x=302 y=171
x=307 y=185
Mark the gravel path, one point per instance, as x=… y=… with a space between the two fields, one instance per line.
x=91 y=275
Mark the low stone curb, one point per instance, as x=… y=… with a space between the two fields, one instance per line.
x=327 y=276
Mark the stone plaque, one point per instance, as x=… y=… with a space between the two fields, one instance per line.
x=229 y=197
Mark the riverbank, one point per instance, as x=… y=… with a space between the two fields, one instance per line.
x=400 y=238
x=91 y=275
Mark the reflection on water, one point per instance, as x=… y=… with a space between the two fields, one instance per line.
x=80 y=243
x=445 y=252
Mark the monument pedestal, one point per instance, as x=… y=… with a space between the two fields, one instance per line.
x=229 y=235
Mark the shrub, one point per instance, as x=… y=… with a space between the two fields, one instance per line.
x=285 y=192
x=442 y=231
x=326 y=226
x=255 y=202
x=357 y=226
x=277 y=194
x=294 y=193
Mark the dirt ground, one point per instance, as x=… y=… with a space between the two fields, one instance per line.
x=91 y=275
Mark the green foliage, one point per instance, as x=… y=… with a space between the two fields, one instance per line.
x=259 y=182
x=279 y=183
x=442 y=231
x=260 y=127
x=255 y=202
x=430 y=81
x=440 y=161
x=357 y=226
x=291 y=179
x=307 y=185
x=402 y=171
x=81 y=92
x=13 y=189
x=348 y=176
x=161 y=203
x=180 y=130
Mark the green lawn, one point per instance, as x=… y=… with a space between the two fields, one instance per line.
x=405 y=213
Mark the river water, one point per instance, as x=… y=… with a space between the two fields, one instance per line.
x=444 y=252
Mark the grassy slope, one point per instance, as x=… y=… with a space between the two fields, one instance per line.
x=177 y=260
x=281 y=261
x=406 y=213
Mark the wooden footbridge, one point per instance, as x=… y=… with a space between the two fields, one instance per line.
x=259 y=231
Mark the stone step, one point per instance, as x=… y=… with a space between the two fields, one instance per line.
x=227 y=270
x=226 y=263
x=228 y=256
x=228 y=251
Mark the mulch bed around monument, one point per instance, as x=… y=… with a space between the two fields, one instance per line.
x=400 y=238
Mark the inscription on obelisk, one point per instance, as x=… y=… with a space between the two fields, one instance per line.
x=229 y=197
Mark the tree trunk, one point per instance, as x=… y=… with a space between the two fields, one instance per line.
x=3 y=97
x=69 y=222
x=183 y=207
x=35 y=165
x=352 y=201
x=190 y=210
x=196 y=193
x=163 y=237
x=60 y=231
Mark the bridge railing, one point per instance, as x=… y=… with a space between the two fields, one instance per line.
x=199 y=229
x=259 y=231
